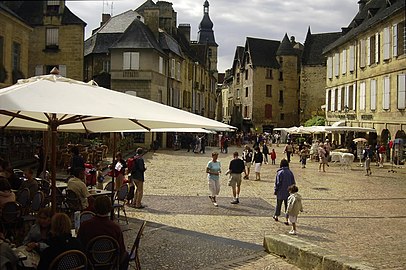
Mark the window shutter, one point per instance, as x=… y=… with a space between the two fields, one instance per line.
x=336 y=64
x=386 y=43
x=362 y=96
x=333 y=100
x=173 y=66
x=62 y=70
x=126 y=60
x=352 y=58
x=268 y=111
x=161 y=65
x=178 y=70
x=362 y=53
x=373 y=95
x=347 y=96
x=386 y=93
x=328 y=93
x=395 y=40
x=339 y=99
x=354 y=96
x=377 y=48
x=135 y=61
x=368 y=51
x=344 y=62
x=330 y=67
x=401 y=92
x=39 y=70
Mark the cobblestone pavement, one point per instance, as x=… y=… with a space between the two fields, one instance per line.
x=345 y=212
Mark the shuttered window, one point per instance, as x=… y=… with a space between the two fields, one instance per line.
x=386 y=43
x=328 y=97
x=377 y=48
x=354 y=96
x=161 y=65
x=362 y=53
x=333 y=100
x=362 y=96
x=52 y=37
x=373 y=95
x=352 y=58
x=339 y=99
x=344 y=61
x=336 y=64
x=386 y=93
x=395 y=40
x=131 y=60
x=330 y=67
x=268 y=111
x=401 y=92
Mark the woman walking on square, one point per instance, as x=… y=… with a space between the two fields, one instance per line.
x=213 y=171
x=258 y=159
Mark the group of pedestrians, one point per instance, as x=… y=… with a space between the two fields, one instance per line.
x=285 y=187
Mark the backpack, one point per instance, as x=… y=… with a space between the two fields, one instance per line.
x=130 y=163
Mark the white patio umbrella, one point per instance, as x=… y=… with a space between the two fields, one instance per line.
x=55 y=103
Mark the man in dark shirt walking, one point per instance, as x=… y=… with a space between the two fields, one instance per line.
x=235 y=169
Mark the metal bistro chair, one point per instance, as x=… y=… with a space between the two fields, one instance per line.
x=109 y=186
x=46 y=189
x=23 y=198
x=103 y=253
x=36 y=204
x=135 y=247
x=86 y=215
x=69 y=260
x=119 y=203
x=10 y=218
x=73 y=202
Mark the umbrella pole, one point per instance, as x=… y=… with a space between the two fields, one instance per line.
x=112 y=178
x=53 y=162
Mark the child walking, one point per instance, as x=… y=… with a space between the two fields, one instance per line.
x=273 y=156
x=294 y=206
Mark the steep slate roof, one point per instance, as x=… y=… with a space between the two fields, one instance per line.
x=169 y=43
x=32 y=12
x=137 y=36
x=314 y=45
x=118 y=23
x=9 y=11
x=286 y=47
x=100 y=43
x=362 y=21
x=238 y=55
x=146 y=4
x=263 y=52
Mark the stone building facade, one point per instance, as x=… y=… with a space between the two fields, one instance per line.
x=144 y=52
x=14 y=46
x=366 y=69
x=56 y=39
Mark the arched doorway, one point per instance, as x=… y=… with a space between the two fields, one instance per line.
x=399 y=147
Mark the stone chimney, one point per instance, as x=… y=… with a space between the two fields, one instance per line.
x=184 y=29
x=105 y=18
x=151 y=19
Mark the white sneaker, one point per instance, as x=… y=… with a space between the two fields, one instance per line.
x=215 y=204
x=292 y=232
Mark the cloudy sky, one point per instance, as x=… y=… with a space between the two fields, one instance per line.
x=235 y=20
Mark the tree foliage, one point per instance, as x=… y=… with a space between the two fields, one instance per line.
x=315 y=121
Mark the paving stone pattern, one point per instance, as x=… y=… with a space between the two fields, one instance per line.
x=346 y=212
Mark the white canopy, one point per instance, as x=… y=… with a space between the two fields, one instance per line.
x=184 y=130
x=85 y=107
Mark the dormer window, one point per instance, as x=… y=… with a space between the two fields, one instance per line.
x=53 y=7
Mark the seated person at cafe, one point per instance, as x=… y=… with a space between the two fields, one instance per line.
x=60 y=241
x=29 y=183
x=6 y=195
x=8 y=258
x=39 y=233
x=77 y=185
x=102 y=225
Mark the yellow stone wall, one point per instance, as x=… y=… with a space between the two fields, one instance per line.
x=13 y=30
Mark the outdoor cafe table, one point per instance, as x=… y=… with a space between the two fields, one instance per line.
x=98 y=192
x=29 y=259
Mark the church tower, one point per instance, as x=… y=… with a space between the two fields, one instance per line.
x=205 y=36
